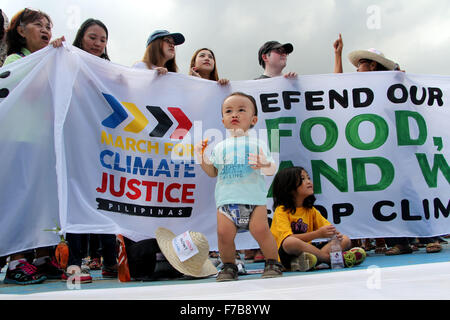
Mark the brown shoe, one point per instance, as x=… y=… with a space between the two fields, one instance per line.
x=229 y=272
x=272 y=269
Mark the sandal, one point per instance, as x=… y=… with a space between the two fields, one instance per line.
x=397 y=249
x=380 y=245
x=213 y=254
x=379 y=250
x=433 y=247
x=229 y=272
x=368 y=245
x=272 y=269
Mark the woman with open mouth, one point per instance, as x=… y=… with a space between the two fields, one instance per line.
x=29 y=31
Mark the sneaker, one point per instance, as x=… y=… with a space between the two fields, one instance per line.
x=50 y=268
x=349 y=258
x=304 y=262
x=109 y=272
x=360 y=255
x=23 y=273
x=85 y=269
x=272 y=269
x=229 y=272
x=85 y=261
x=77 y=274
x=95 y=264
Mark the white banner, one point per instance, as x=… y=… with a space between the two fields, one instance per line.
x=103 y=148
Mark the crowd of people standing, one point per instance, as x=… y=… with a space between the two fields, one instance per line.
x=31 y=30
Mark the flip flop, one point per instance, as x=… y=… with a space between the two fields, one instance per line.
x=433 y=247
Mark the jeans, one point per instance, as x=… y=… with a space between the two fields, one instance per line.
x=77 y=248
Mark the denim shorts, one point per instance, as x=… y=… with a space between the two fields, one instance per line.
x=239 y=214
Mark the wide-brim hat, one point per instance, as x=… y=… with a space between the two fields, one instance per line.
x=371 y=54
x=198 y=266
x=270 y=45
x=178 y=38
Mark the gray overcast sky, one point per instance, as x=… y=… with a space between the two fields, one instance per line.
x=414 y=33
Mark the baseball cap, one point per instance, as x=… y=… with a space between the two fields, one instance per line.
x=178 y=38
x=270 y=45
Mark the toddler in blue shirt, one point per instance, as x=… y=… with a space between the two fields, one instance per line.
x=240 y=163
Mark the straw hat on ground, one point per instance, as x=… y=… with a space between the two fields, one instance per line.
x=374 y=55
x=198 y=266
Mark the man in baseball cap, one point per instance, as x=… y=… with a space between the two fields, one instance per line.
x=272 y=56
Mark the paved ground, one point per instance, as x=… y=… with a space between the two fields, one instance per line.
x=419 y=275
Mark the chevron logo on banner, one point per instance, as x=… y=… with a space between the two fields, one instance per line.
x=4 y=91
x=140 y=122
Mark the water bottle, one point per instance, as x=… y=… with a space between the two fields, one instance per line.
x=336 y=259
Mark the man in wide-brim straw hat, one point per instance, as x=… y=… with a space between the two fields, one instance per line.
x=371 y=60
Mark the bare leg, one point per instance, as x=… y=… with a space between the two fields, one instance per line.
x=295 y=246
x=259 y=228
x=226 y=232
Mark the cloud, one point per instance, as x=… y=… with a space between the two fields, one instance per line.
x=414 y=33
